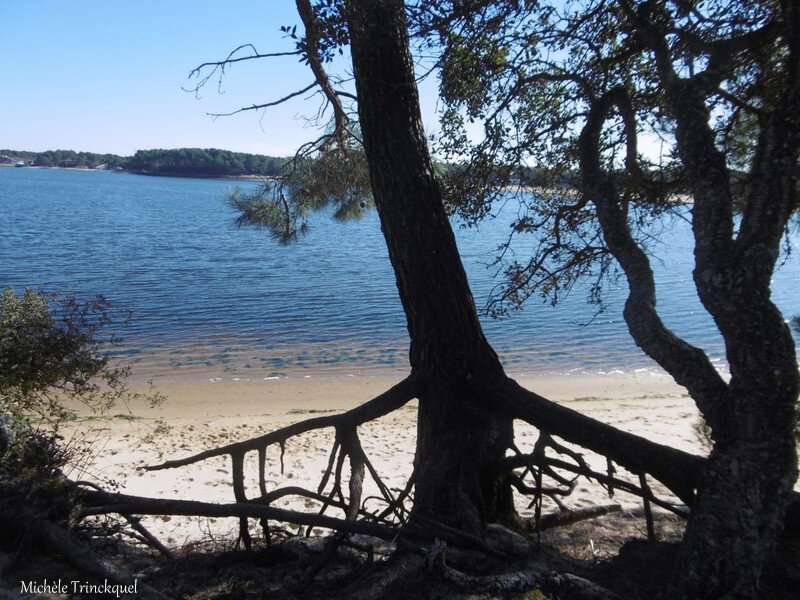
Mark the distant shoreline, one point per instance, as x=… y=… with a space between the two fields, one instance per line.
x=195 y=163
x=148 y=173
x=198 y=176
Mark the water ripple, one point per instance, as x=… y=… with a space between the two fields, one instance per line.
x=209 y=299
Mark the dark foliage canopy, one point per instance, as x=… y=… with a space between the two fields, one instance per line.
x=203 y=163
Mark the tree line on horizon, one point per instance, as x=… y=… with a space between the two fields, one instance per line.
x=210 y=162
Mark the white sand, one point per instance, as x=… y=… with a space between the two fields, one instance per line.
x=204 y=415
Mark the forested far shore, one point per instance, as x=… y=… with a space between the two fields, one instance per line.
x=212 y=162
x=188 y=162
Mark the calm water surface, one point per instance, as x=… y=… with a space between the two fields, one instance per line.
x=210 y=300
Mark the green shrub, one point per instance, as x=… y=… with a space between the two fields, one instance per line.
x=53 y=352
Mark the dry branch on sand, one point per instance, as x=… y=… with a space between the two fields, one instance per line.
x=544 y=468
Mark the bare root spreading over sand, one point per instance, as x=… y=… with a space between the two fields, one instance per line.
x=210 y=415
x=296 y=461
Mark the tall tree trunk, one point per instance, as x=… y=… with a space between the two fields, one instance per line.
x=749 y=477
x=747 y=483
x=449 y=353
x=748 y=480
x=753 y=466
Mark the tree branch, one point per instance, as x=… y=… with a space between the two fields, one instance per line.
x=266 y=105
x=125 y=504
x=391 y=400
x=230 y=60
x=221 y=64
x=313 y=37
x=687 y=364
x=772 y=200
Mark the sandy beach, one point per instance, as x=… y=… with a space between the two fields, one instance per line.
x=201 y=415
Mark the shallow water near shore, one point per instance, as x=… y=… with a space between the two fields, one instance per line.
x=212 y=302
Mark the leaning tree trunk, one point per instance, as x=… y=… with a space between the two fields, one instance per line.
x=749 y=477
x=747 y=482
x=449 y=354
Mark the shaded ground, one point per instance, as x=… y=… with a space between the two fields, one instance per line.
x=610 y=551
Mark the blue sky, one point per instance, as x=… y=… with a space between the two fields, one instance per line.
x=106 y=76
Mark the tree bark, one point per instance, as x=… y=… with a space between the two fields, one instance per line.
x=747 y=482
x=748 y=479
x=449 y=353
x=753 y=466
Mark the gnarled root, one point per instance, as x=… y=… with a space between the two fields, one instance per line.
x=52 y=538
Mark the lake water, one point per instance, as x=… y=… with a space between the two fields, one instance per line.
x=212 y=301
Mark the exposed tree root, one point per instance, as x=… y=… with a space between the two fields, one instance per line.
x=560 y=585
x=679 y=471
x=144 y=534
x=392 y=399
x=46 y=535
x=549 y=469
x=124 y=504
x=533 y=575
x=672 y=467
x=568 y=517
x=147 y=537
